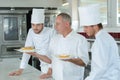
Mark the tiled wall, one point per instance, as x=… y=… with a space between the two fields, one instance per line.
x=116 y=35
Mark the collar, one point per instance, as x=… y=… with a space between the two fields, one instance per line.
x=70 y=34
x=43 y=30
x=98 y=33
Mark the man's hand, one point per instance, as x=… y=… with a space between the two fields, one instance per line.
x=46 y=75
x=32 y=53
x=76 y=61
x=16 y=73
x=68 y=59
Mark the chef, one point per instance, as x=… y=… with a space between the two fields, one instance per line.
x=68 y=42
x=38 y=37
x=105 y=61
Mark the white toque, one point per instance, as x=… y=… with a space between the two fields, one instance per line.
x=37 y=16
x=89 y=15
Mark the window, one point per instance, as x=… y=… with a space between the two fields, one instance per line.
x=118 y=12
x=103 y=7
x=110 y=10
x=11 y=28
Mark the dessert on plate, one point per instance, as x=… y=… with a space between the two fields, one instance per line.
x=27 y=48
x=64 y=56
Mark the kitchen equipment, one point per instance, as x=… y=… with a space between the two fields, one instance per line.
x=13 y=32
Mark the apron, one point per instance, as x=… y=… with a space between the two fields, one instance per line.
x=57 y=68
x=63 y=70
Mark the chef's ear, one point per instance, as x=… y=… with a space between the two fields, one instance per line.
x=67 y=23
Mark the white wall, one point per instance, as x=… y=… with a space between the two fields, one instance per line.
x=74 y=7
x=30 y=3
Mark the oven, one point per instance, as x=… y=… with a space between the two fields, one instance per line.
x=13 y=32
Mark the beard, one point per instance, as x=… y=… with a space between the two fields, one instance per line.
x=37 y=31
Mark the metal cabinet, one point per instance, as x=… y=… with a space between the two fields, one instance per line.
x=13 y=32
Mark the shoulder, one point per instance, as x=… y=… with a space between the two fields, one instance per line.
x=30 y=30
x=79 y=36
x=47 y=29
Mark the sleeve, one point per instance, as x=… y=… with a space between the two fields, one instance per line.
x=49 y=54
x=26 y=57
x=101 y=59
x=83 y=50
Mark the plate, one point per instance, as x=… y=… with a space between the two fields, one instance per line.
x=20 y=50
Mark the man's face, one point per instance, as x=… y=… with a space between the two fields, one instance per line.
x=37 y=28
x=59 y=25
x=89 y=30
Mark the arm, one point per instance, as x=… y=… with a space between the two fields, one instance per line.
x=100 y=60
x=76 y=61
x=42 y=53
x=81 y=57
x=25 y=58
x=41 y=57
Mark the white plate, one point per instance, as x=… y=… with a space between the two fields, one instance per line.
x=20 y=50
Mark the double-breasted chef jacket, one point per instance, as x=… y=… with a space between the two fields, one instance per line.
x=76 y=46
x=105 y=64
x=40 y=42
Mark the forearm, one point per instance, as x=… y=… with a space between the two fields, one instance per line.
x=43 y=58
x=77 y=61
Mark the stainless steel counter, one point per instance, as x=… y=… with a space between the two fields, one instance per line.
x=11 y=64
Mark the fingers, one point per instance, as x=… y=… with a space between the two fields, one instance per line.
x=44 y=76
x=15 y=73
x=11 y=74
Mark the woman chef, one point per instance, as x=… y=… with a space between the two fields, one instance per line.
x=105 y=58
x=38 y=37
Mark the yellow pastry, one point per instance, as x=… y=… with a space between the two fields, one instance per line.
x=64 y=56
x=27 y=48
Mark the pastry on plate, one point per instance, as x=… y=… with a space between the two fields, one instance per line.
x=64 y=56
x=27 y=48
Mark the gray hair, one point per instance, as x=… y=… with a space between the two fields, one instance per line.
x=66 y=17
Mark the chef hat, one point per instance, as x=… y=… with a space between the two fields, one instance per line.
x=37 y=16
x=89 y=15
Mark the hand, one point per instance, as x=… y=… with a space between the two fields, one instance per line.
x=16 y=73
x=67 y=60
x=76 y=61
x=32 y=53
x=44 y=76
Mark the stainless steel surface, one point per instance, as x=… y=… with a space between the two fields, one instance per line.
x=11 y=64
x=13 y=32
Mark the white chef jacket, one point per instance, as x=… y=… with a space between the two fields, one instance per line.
x=74 y=45
x=40 y=42
x=105 y=58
